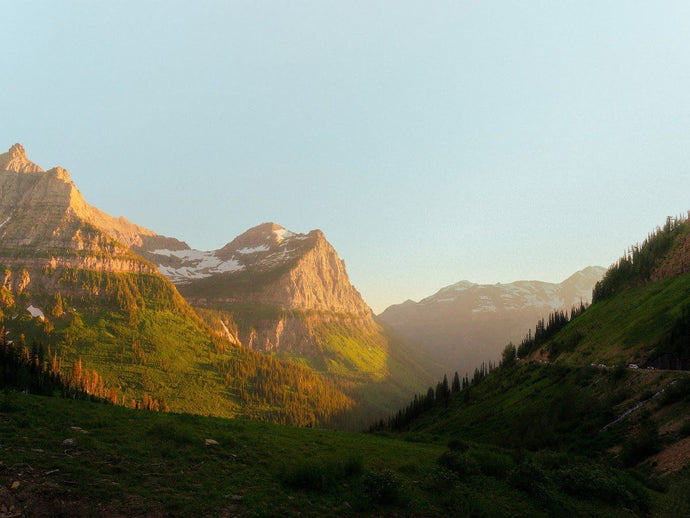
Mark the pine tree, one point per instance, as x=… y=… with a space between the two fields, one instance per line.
x=456 y=383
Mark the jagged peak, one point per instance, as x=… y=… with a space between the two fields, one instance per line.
x=15 y=160
x=17 y=150
x=60 y=173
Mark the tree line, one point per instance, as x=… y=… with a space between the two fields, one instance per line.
x=547 y=328
x=438 y=397
x=639 y=262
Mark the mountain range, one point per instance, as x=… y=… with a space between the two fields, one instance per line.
x=587 y=416
x=466 y=324
x=104 y=289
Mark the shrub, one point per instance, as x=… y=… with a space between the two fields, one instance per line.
x=642 y=444
x=458 y=445
x=594 y=482
x=441 y=478
x=677 y=502
x=321 y=475
x=382 y=487
x=462 y=465
x=493 y=464
x=528 y=477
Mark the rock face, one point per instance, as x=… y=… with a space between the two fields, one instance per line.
x=465 y=324
x=267 y=265
x=281 y=291
x=15 y=160
x=48 y=232
x=44 y=211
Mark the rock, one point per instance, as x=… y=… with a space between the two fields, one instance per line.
x=210 y=442
x=16 y=484
x=69 y=443
x=78 y=429
x=236 y=498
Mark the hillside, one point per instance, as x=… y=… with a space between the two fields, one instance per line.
x=64 y=458
x=110 y=322
x=606 y=383
x=640 y=314
x=466 y=324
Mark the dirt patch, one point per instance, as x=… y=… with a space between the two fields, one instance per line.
x=31 y=494
x=673 y=458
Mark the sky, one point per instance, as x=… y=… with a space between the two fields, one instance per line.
x=431 y=141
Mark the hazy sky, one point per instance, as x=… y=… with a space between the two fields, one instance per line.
x=430 y=141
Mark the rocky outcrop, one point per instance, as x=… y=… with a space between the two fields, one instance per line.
x=15 y=160
x=47 y=226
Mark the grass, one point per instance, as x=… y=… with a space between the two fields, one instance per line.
x=624 y=328
x=152 y=464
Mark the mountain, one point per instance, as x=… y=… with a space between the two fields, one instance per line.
x=88 y=287
x=611 y=383
x=465 y=324
x=266 y=265
x=641 y=310
x=286 y=293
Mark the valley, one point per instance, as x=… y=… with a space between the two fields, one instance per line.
x=238 y=381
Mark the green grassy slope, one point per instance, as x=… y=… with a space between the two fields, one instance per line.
x=624 y=328
x=145 y=342
x=361 y=357
x=133 y=462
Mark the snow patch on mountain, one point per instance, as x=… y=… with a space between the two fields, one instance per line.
x=253 y=250
x=194 y=264
x=283 y=233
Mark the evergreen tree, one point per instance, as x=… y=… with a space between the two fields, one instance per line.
x=456 y=383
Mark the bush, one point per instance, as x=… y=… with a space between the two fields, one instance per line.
x=382 y=487
x=493 y=464
x=534 y=480
x=462 y=465
x=321 y=475
x=528 y=477
x=677 y=502
x=458 y=445
x=594 y=483
x=441 y=478
x=641 y=445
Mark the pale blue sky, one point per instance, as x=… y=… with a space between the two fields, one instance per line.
x=431 y=141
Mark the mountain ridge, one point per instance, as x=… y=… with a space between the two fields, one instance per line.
x=465 y=324
x=98 y=282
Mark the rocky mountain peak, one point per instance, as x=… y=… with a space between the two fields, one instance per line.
x=45 y=208
x=264 y=235
x=17 y=150
x=15 y=160
x=60 y=173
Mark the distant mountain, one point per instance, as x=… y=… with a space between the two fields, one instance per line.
x=465 y=324
x=610 y=383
